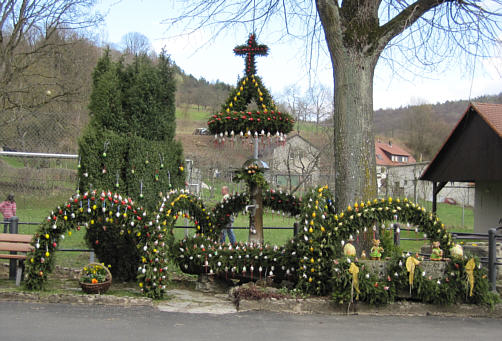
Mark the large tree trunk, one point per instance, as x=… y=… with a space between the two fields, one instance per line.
x=354 y=141
x=353 y=63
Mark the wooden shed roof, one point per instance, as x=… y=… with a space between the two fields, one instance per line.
x=473 y=151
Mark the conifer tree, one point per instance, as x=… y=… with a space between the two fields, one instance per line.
x=129 y=147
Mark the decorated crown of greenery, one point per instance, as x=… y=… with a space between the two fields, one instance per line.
x=234 y=116
x=248 y=123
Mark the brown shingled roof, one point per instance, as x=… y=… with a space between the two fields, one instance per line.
x=472 y=150
x=492 y=114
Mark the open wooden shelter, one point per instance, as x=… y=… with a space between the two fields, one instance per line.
x=473 y=153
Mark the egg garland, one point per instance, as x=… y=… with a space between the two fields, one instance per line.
x=104 y=211
x=306 y=260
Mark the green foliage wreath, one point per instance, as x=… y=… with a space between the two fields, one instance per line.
x=312 y=260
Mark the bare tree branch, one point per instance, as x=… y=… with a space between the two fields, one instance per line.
x=28 y=30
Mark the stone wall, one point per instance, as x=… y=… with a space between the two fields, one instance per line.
x=479 y=250
x=434 y=269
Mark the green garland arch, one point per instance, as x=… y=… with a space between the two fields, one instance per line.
x=104 y=211
x=309 y=255
x=306 y=260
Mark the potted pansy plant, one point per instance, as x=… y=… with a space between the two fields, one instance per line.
x=95 y=278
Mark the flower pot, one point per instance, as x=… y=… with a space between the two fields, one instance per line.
x=96 y=288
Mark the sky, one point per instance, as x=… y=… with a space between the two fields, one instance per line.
x=285 y=66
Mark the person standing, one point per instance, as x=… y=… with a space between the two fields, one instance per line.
x=227 y=229
x=8 y=209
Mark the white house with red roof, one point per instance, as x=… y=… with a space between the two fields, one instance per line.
x=390 y=154
x=387 y=155
x=398 y=175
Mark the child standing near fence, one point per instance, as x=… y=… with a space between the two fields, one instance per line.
x=8 y=209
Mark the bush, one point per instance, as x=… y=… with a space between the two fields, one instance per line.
x=129 y=146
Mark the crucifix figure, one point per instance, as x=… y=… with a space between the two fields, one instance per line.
x=251 y=50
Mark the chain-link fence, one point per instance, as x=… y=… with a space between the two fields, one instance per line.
x=37 y=176
x=41 y=132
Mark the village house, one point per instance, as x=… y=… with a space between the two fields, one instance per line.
x=398 y=175
x=294 y=162
x=388 y=155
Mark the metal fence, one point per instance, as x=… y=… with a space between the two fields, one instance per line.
x=42 y=132
x=12 y=226
x=37 y=173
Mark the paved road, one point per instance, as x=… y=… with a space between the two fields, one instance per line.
x=53 y=322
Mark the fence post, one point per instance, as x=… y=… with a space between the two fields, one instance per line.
x=492 y=258
x=397 y=234
x=13 y=228
x=295 y=229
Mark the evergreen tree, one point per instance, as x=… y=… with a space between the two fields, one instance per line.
x=128 y=146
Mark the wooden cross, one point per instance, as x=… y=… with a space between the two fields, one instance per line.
x=251 y=50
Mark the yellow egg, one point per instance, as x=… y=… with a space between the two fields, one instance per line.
x=349 y=250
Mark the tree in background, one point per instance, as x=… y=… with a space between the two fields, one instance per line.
x=425 y=132
x=135 y=43
x=129 y=146
x=320 y=103
x=34 y=35
x=357 y=34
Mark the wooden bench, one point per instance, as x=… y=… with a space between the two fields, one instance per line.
x=14 y=243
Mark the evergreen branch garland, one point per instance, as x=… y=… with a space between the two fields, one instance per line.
x=311 y=259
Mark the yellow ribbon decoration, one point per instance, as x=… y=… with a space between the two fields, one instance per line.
x=411 y=262
x=354 y=270
x=469 y=269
